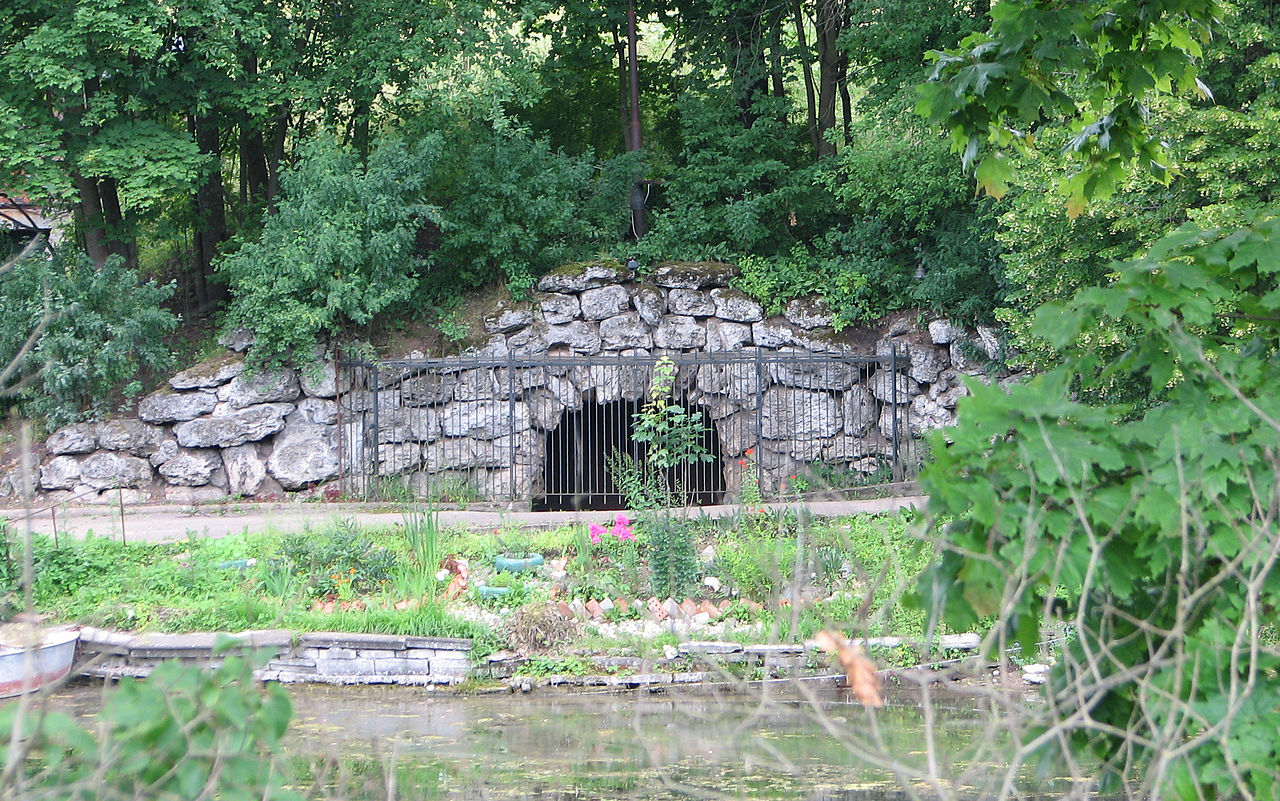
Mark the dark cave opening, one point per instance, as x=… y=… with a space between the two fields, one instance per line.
x=576 y=472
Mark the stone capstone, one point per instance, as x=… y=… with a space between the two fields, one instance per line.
x=60 y=472
x=808 y=313
x=175 y=407
x=191 y=468
x=108 y=470
x=304 y=454
x=77 y=438
x=236 y=428
x=577 y=277
x=678 y=332
x=266 y=387
x=607 y=301
x=624 y=331
x=736 y=305
x=700 y=275
x=245 y=469
x=213 y=373
x=508 y=317
x=129 y=435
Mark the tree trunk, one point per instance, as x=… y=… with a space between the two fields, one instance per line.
x=88 y=215
x=807 y=68
x=210 y=210
x=119 y=238
x=278 y=137
x=624 y=116
x=846 y=103
x=828 y=23
x=254 y=176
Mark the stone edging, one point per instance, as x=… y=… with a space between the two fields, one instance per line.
x=315 y=657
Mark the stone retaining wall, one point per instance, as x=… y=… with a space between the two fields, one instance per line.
x=215 y=432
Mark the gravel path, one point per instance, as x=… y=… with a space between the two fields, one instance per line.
x=165 y=523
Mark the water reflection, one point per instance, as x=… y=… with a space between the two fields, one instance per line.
x=365 y=743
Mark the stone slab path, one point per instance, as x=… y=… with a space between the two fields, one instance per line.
x=166 y=523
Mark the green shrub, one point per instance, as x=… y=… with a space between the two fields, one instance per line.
x=338 y=250
x=106 y=327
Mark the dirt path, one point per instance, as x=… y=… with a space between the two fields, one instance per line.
x=165 y=523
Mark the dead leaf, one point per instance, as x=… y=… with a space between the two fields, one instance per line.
x=859 y=671
x=456 y=587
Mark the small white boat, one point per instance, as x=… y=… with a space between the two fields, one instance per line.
x=29 y=664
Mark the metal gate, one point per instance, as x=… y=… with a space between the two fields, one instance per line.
x=552 y=432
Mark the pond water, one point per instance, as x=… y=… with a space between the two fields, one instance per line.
x=781 y=742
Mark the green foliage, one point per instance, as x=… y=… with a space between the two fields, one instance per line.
x=107 y=326
x=338 y=250
x=1141 y=524
x=340 y=560
x=673 y=562
x=181 y=733
x=735 y=189
x=514 y=208
x=1093 y=67
x=672 y=435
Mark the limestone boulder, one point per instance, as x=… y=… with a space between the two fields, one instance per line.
x=484 y=420
x=236 y=428
x=409 y=425
x=890 y=387
x=928 y=413
x=210 y=374
x=191 y=468
x=314 y=410
x=679 y=332
x=579 y=336
x=725 y=336
x=165 y=451
x=135 y=436
x=916 y=356
x=773 y=333
x=109 y=470
x=691 y=302
x=245 y=469
x=174 y=407
x=944 y=332
x=606 y=301
x=238 y=340
x=194 y=495
x=651 y=304
x=268 y=386
x=319 y=380
x=399 y=457
x=736 y=305
x=77 y=438
x=304 y=454
x=804 y=370
x=558 y=309
x=860 y=410
x=60 y=473
x=625 y=331
x=478 y=384
x=798 y=414
x=428 y=390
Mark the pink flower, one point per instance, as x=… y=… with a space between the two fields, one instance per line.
x=622 y=529
x=595 y=531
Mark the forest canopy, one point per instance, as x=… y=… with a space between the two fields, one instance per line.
x=310 y=167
